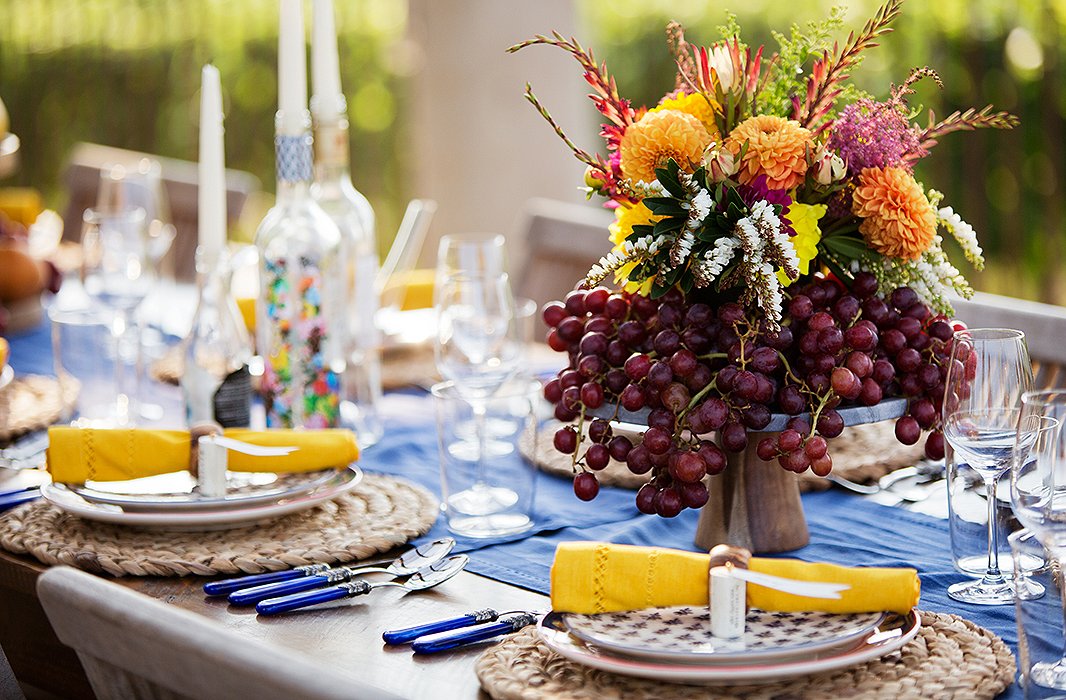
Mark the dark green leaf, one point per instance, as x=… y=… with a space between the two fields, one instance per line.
x=669 y=225
x=846 y=246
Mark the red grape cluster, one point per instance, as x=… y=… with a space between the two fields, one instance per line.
x=701 y=370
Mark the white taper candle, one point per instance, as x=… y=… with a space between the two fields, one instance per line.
x=292 y=69
x=211 y=210
x=327 y=100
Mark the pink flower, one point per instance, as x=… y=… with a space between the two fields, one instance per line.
x=870 y=134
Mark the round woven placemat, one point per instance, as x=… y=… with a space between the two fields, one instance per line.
x=949 y=658
x=380 y=513
x=33 y=402
x=862 y=453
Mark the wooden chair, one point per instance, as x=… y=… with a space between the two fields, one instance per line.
x=82 y=177
x=133 y=646
x=9 y=687
x=1044 y=326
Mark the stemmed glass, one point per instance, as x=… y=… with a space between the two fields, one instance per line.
x=114 y=272
x=477 y=346
x=1038 y=493
x=988 y=372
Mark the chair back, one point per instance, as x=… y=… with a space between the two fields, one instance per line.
x=134 y=646
x=1044 y=326
x=179 y=180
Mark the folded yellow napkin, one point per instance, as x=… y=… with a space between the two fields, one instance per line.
x=77 y=454
x=594 y=577
x=413 y=288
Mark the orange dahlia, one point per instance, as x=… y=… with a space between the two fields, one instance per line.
x=898 y=220
x=777 y=148
x=659 y=136
x=696 y=104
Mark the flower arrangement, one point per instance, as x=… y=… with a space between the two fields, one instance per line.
x=760 y=210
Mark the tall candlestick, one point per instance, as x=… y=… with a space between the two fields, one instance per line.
x=292 y=118
x=327 y=99
x=212 y=188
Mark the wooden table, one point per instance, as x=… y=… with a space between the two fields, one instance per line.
x=344 y=634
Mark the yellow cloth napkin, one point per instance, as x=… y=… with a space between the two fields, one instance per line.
x=77 y=454
x=414 y=288
x=594 y=577
x=246 y=305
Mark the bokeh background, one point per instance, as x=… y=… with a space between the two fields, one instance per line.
x=434 y=102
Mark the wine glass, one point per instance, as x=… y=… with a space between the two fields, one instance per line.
x=477 y=346
x=988 y=372
x=114 y=273
x=1038 y=493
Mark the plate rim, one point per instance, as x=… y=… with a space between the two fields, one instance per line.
x=203 y=519
x=573 y=649
x=724 y=657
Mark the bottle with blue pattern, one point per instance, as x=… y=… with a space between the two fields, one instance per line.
x=301 y=328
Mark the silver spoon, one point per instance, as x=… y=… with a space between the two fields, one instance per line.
x=428 y=577
x=245 y=591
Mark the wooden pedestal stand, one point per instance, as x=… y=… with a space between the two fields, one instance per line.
x=753 y=504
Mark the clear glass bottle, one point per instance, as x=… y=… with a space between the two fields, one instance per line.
x=301 y=320
x=216 y=384
x=350 y=210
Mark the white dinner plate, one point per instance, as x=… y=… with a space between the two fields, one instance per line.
x=219 y=519
x=176 y=491
x=892 y=634
x=682 y=634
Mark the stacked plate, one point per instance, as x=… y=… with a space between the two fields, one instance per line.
x=675 y=644
x=170 y=501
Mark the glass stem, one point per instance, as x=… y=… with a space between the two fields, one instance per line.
x=993 y=575
x=481 y=434
x=120 y=335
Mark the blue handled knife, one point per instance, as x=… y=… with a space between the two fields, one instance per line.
x=235 y=584
x=409 y=634
x=445 y=642
x=15 y=498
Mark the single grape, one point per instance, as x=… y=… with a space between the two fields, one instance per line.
x=764 y=360
x=619 y=447
x=632 y=333
x=699 y=315
x=669 y=503
x=883 y=371
x=566 y=440
x=684 y=362
x=689 y=467
x=676 y=397
x=553 y=314
x=572 y=398
x=586 y=486
x=816 y=447
x=909 y=327
x=797 y=461
x=860 y=363
x=596 y=300
x=571 y=329
x=893 y=341
x=871 y=393
x=908 y=430
x=597 y=457
x=563 y=413
x=713 y=457
x=700 y=378
x=693 y=495
x=790 y=400
x=646 y=499
x=670 y=316
x=756 y=416
x=903 y=299
x=923 y=412
x=821 y=321
x=645 y=307
x=666 y=342
x=864 y=284
x=599 y=430
x=657 y=441
x=934 y=445
x=941 y=330
x=789 y=440
x=822 y=465
x=696 y=340
x=830 y=423
x=800 y=307
x=599 y=324
x=908 y=359
x=593 y=344
x=662 y=419
x=845 y=383
x=846 y=308
x=591 y=366
x=745 y=385
x=860 y=337
x=556 y=342
x=734 y=437
x=639 y=460
x=731 y=313
x=800 y=424
x=553 y=391
x=714 y=412
x=830 y=341
x=632 y=398
x=591 y=395
x=616 y=307
x=575 y=303
x=766 y=449
x=660 y=375
x=637 y=366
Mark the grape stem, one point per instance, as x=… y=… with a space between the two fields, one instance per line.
x=696 y=399
x=580 y=433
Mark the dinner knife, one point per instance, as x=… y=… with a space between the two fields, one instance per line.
x=10 y=500
x=230 y=585
x=444 y=642
x=409 y=634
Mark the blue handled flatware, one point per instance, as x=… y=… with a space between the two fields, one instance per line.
x=10 y=499
x=409 y=634
x=407 y=563
x=426 y=577
x=479 y=633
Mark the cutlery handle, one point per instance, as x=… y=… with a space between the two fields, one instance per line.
x=15 y=499
x=227 y=586
x=248 y=596
x=273 y=606
x=409 y=634
x=480 y=633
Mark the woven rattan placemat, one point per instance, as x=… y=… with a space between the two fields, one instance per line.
x=950 y=658
x=380 y=513
x=33 y=402
x=862 y=453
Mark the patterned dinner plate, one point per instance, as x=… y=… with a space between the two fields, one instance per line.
x=889 y=636
x=683 y=634
x=63 y=498
x=177 y=492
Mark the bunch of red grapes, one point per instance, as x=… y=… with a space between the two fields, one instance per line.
x=701 y=370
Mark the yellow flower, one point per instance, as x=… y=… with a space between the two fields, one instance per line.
x=804 y=218
x=777 y=148
x=626 y=217
x=898 y=220
x=659 y=136
x=696 y=104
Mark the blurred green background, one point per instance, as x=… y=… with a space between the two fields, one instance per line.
x=126 y=73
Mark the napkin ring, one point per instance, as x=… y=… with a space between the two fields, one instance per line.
x=197 y=431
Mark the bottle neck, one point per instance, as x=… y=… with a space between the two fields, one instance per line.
x=332 y=157
x=293 y=164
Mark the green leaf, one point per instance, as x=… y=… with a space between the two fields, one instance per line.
x=687 y=283
x=658 y=290
x=847 y=246
x=669 y=225
x=665 y=206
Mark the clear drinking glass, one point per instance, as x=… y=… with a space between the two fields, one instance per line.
x=988 y=372
x=1038 y=495
x=115 y=273
x=477 y=346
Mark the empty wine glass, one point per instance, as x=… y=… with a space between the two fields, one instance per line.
x=1038 y=494
x=988 y=372
x=114 y=273
x=477 y=346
